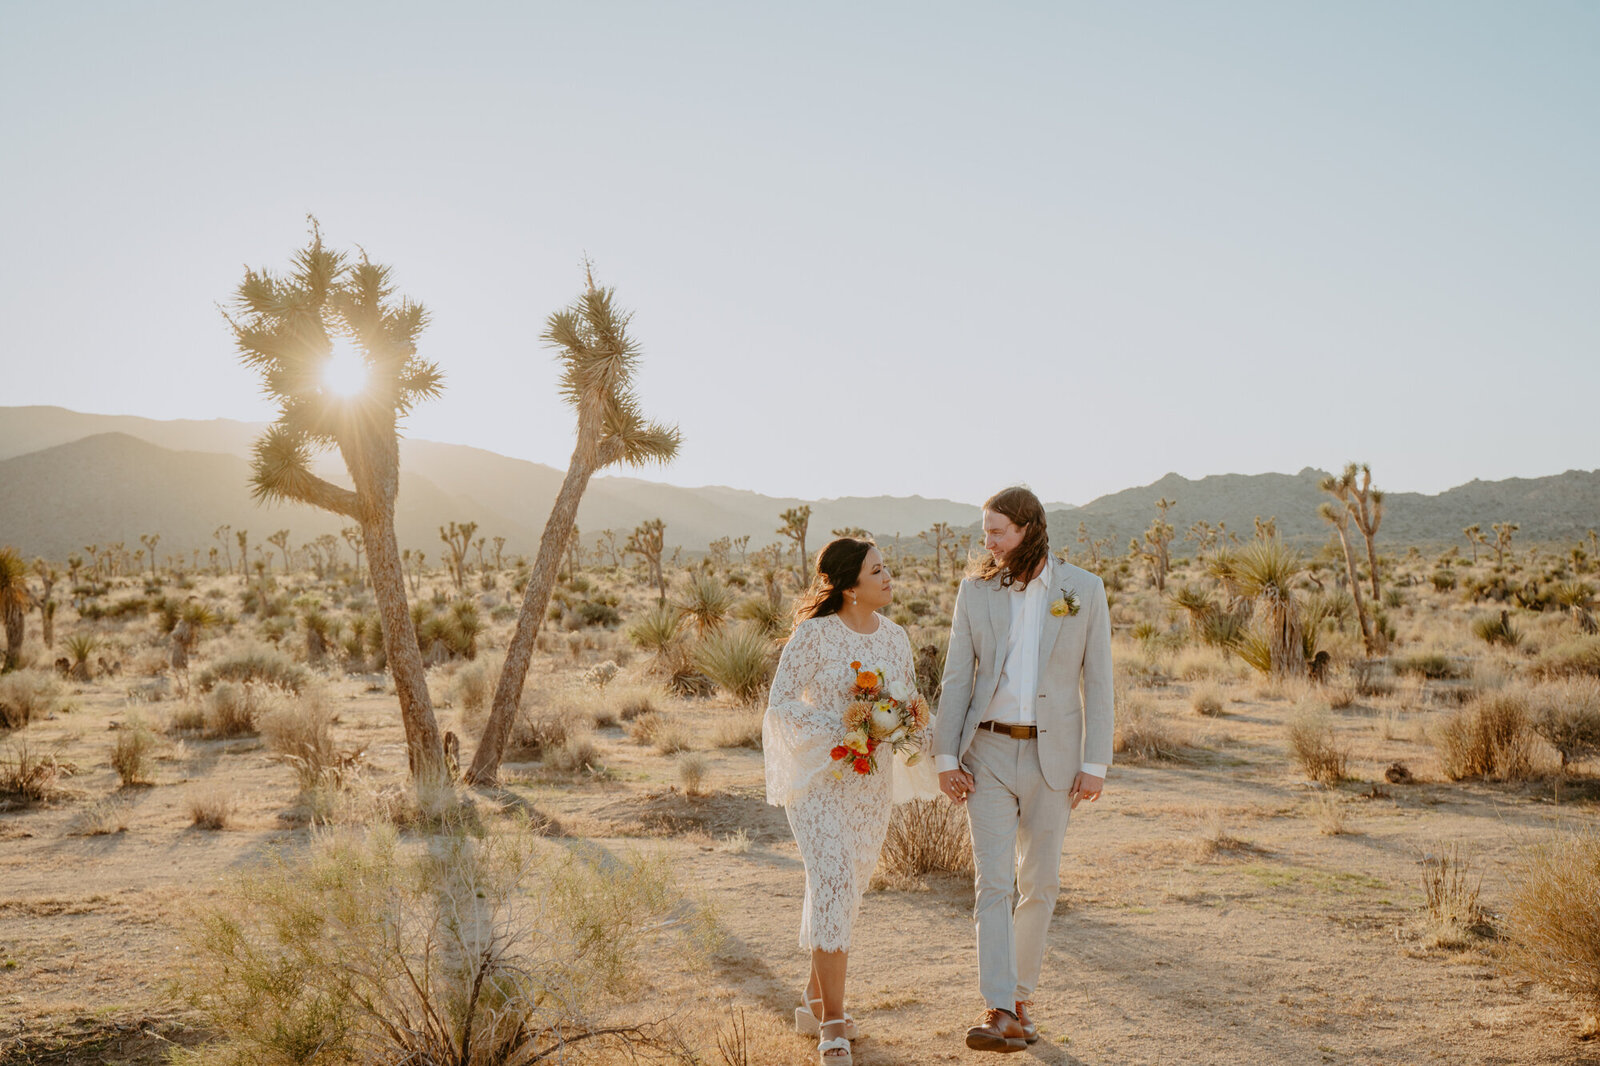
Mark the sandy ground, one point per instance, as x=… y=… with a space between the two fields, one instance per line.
x=1205 y=915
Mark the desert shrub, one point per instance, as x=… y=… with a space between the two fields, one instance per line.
x=739 y=730
x=1142 y=734
x=601 y=674
x=577 y=753
x=211 y=806
x=644 y=728
x=739 y=660
x=101 y=817
x=491 y=950
x=672 y=737
x=231 y=709
x=1207 y=700
x=536 y=732
x=1444 y=579
x=1450 y=895
x=693 y=768
x=635 y=705
x=1331 y=815
x=29 y=694
x=1497 y=629
x=264 y=664
x=1431 y=665
x=925 y=837
x=1490 y=737
x=1567 y=716
x=1315 y=746
x=1571 y=658
x=29 y=776
x=300 y=732
x=130 y=754
x=1552 y=925
x=472 y=688
x=186 y=718
x=597 y=613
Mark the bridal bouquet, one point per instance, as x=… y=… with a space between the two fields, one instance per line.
x=880 y=712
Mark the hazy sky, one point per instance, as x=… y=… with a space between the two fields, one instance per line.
x=872 y=248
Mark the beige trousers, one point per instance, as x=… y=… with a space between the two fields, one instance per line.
x=1018 y=824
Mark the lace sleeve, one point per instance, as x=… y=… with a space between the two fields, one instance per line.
x=797 y=733
x=914 y=775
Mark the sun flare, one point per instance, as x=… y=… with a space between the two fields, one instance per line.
x=345 y=373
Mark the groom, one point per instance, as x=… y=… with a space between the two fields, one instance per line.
x=1017 y=744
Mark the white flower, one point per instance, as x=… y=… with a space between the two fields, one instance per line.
x=884 y=720
x=899 y=690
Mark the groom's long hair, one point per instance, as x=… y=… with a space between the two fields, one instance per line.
x=1024 y=509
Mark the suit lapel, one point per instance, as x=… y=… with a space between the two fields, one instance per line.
x=1051 y=627
x=1000 y=619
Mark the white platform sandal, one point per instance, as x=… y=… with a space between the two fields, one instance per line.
x=829 y=1048
x=806 y=1022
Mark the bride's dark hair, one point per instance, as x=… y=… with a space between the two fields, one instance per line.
x=837 y=571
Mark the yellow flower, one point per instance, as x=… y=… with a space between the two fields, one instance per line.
x=856 y=741
x=1066 y=605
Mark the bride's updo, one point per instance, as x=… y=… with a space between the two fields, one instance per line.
x=837 y=571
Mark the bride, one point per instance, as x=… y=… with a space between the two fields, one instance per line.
x=839 y=816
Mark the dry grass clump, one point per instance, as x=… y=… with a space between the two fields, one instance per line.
x=536 y=732
x=1434 y=666
x=1143 y=734
x=1332 y=816
x=1553 y=921
x=101 y=817
x=29 y=776
x=577 y=753
x=673 y=736
x=742 y=729
x=1207 y=700
x=1490 y=737
x=472 y=689
x=211 y=806
x=491 y=949
x=693 y=768
x=1315 y=746
x=29 y=694
x=1450 y=891
x=261 y=663
x=130 y=754
x=1213 y=839
x=1572 y=658
x=231 y=709
x=925 y=837
x=1567 y=716
x=300 y=732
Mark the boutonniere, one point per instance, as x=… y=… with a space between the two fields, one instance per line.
x=1067 y=605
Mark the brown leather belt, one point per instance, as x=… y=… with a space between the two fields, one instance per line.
x=1015 y=732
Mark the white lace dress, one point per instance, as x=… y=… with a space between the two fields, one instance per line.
x=839 y=824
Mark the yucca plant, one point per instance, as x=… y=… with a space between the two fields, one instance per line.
x=706 y=603
x=657 y=630
x=738 y=660
x=80 y=646
x=1265 y=570
x=15 y=602
x=337 y=352
x=771 y=618
x=598 y=358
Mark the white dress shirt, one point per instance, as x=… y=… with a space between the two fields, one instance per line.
x=1019 y=673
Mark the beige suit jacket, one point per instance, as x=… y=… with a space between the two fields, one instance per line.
x=1074 y=705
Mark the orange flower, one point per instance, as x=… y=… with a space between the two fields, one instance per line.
x=863 y=765
x=840 y=752
x=855 y=666
x=866 y=680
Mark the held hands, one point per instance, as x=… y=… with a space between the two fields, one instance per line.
x=957 y=784
x=1084 y=787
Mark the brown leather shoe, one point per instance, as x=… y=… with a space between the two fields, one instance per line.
x=1030 y=1028
x=997 y=1030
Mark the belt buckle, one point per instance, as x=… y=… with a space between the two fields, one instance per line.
x=1020 y=732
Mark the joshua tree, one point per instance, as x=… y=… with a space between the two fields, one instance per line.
x=854 y=531
x=935 y=536
x=574 y=553
x=221 y=534
x=149 y=540
x=280 y=540
x=1502 y=541
x=243 y=537
x=15 y=601
x=1157 y=540
x=795 y=522
x=352 y=536
x=647 y=542
x=598 y=358
x=456 y=541
x=1364 y=504
x=1474 y=535
x=286 y=328
x=499 y=546
x=742 y=543
x=1265 y=569
x=1338 y=517
x=48 y=576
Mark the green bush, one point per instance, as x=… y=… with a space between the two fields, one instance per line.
x=739 y=660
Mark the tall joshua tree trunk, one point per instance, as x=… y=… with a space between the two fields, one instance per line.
x=598 y=358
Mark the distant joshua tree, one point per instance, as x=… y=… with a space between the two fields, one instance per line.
x=935 y=537
x=457 y=539
x=286 y=327
x=598 y=357
x=48 y=576
x=280 y=540
x=15 y=600
x=1338 y=516
x=221 y=533
x=1502 y=541
x=243 y=537
x=1157 y=540
x=149 y=540
x=1474 y=535
x=796 y=520
x=742 y=545
x=499 y=546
